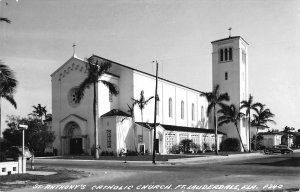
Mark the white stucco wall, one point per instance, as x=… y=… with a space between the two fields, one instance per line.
x=130 y=83
x=237 y=83
x=167 y=90
x=70 y=75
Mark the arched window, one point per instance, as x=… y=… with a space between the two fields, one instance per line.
x=193 y=112
x=157 y=107
x=226 y=54
x=170 y=107
x=202 y=113
x=230 y=54
x=244 y=57
x=182 y=110
x=221 y=54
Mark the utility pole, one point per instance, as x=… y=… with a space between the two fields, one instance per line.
x=155 y=106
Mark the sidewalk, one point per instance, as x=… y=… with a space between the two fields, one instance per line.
x=214 y=158
x=198 y=159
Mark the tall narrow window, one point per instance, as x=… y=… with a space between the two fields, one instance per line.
x=157 y=107
x=244 y=57
x=221 y=55
x=226 y=54
x=110 y=97
x=193 y=112
x=108 y=134
x=170 y=107
x=230 y=54
x=182 y=110
x=226 y=76
x=202 y=113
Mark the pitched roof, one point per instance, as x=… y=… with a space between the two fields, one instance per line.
x=115 y=112
x=228 y=38
x=181 y=128
x=125 y=66
x=270 y=133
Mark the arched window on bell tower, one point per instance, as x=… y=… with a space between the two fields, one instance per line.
x=221 y=55
x=226 y=54
x=230 y=54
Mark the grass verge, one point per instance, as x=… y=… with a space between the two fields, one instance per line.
x=21 y=180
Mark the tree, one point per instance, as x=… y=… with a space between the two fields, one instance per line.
x=260 y=120
x=37 y=136
x=39 y=111
x=288 y=130
x=215 y=98
x=8 y=84
x=248 y=105
x=96 y=69
x=230 y=114
x=142 y=102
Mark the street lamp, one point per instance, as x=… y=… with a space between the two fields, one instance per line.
x=23 y=128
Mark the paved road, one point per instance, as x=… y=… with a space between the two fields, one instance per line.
x=265 y=172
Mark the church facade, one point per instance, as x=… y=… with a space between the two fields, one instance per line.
x=181 y=111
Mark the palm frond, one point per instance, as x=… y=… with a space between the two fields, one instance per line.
x=147 y=101
x=223 y=97
x=209 y=108
x=10 y=99
x=83 y=86
x=111 y=87
x=104 y=67
x=5 y=19
x=222 y=122
x=8 y=82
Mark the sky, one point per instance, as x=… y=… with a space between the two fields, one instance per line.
x=178 y=34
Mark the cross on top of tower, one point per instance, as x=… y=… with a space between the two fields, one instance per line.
x=229 y=31
x=73 y=49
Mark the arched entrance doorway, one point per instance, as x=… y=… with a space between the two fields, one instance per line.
x=73 y=137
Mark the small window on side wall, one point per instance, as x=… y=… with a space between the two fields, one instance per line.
x=170 y=107
x=108 y=135
x=110 y=97
x=221 y=55
x=226 y=76
x=230 y=54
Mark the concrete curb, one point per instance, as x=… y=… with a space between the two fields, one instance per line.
x=204 y=159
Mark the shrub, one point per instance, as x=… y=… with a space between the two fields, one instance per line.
x=107 y=153
x=205 y=146
x=230 y=144
x=259 y=145
x=187 y=145
x=132 y=153
x=2 y=157
x=175 y=149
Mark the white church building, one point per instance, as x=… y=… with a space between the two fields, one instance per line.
x=181 y=111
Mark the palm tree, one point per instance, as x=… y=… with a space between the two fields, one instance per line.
x=215 y=98
x=261 y=119
x=248 y=105
x=8 y=84
x=39 y=111
x=142 y=102
x=96 y=69
x=230 y=114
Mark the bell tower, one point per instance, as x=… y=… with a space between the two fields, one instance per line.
x=230 y=72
